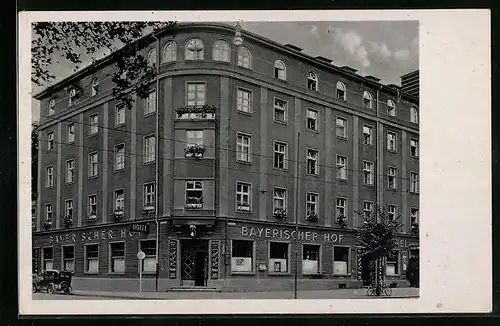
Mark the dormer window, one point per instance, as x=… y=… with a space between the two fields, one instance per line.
x=194 y=49
x=391 y=108
x=280 y=70
x=220 y=51
x=95 y=87
x=244 y=58
x=312 y=81
x=170 y=52
x=341 y=91
x=367 y=100
x=72 y=96
x=152 y=57
x=52 y=105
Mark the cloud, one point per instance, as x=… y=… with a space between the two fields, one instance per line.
x=351 y=42
x=380 y=50
x=314 y=31
x=402 y=54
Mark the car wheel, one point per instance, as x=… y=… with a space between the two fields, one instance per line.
x=51 y=288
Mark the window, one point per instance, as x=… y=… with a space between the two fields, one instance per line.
x=341 y=207
x=152 y=57
x=52 y=105
x=340 y=260
x=312 y=81
x=391 y=108
x=392 y=177
x=312 y=120
x=391 y=141
x=368 y=173
x=71 y=133
x=68 y=208
x=243 y=197
x=194 y=137
x=312 y=162
x=244 y=101
x=69 y=258
x=414 y=182
x=280 y=155
x=50 y=177
x=242 y=256
x=244 y=58
x=93 y=165
x=413 y=115
x=94 y=87
x=243 y=148
x=117 y=257
x=220 y=51
x=413 y=147
x=70 y=171
x=71 y=97
x=170 y=52
x=48 y=259
x=367 y=100
x=414 y=216
x=119 y=200
x=149 y=197
x=341 y=167
x=148 y=264
x=92 y=205
x=391 y=212
x=194 y=194
x=367 y=135
x=93 y=122
x=150 y=103
x=311 y=204
x=341 y=124
x=194 y=49
x=92 y=259
x=341 y=91
x=120 y=115
x=278 y=257
x=392 y=265
x=48 y=212
x=149 y=149
x=279 y=70
x=310 y=259
x=280 y=110
x=279 y=201
x=119 y=157
x=196 y=94
x=367 y=208
x=50 y=142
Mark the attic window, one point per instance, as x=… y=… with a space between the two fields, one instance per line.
x=152 y=57
x=279 y=70
x=367 y=100
x=312 y=81
x=95 y=86
x=341 y=91
x=391 y=108
x=52 y=105
x=72 y=96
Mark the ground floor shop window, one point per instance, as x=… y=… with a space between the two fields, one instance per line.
x=340 y=260
x=117 y=257
x=69 y=258
x=278 y=257
x=149 y=249
x=310 y=259
x=392 y=264
x=92 y=259
x=242 y=256
x=48 y=259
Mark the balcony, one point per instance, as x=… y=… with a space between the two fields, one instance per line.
x=68 y=221
x=118 y=213
x=279 y=213
x=195 y=151
x=194 y=203
x=205 y=112
x=243 y=207
x=312 y=217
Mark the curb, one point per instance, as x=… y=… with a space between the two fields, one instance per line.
x=105 y=295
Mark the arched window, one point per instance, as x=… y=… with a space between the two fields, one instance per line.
x=367 y=99
x=413 y=115
x=152 y=57
x=170 y=52
x=194 y=49
x=72 y=96
x=391 y=108
x=52 y=105
x=94 y=87
x=279 y=70
x=244 y=57
x=312 y=81
x=341 y=91
x=220 y=51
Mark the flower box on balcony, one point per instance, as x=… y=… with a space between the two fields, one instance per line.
x=342 y=221
x=148 y=208
x=92 y=218
x=47 y=223
x=118 y=213
x=312 y=217
x=68 y=221
x=279 y=213
x=196 y=112
x=194 y=203
x=243 y=207
x=195 y=151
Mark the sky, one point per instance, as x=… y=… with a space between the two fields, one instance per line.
x=384 y=49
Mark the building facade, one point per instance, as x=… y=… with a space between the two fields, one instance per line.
x=203 y=177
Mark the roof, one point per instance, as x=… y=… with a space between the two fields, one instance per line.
x=410 y=74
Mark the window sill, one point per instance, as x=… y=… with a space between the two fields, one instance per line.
x=369 y=145
x=120 y=125
x=244 y=162
x=116 y=273
x=49 y=187
x=342 y=138
x=413 y=192
x=313 y=130
x=147 y=273
x=392 y=189
x=244 y=212
x=243 y=273
x=342 y=275
x=89 y=273
x=414 y=157
x=392 y=151
x=247 y=68
x=93 y=135
x=279 y=274
x=250 y=114
x=71 y=142
x=93 y=177
x=368 y=185
x=280 y=169
x=119 y=170
x=312 y=175
x=149 y=162
x=343 y=180
x=69 y=183
x=285 y=123
x=149 y=114
x=51 y=150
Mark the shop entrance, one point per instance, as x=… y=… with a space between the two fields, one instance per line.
x=194 y=262
x=413 y=272
x=367 y=270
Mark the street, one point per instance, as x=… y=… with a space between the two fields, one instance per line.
x=45 y=296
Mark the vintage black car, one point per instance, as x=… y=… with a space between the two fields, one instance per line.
x=52 y=281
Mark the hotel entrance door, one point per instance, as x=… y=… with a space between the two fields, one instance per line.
x=194 y=262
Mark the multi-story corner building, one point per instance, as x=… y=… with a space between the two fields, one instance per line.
x=239 y=137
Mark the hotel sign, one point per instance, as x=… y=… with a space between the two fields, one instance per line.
x=139 y=227
x=284 y=234
x=83 y=237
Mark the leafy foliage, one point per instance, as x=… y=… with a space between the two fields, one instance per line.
x=73 y=41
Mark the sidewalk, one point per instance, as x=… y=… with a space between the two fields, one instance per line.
x=317 y=294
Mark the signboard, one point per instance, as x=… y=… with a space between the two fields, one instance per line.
x=91 y=236
x=141 y=255
x=172 y=259
x=289 y=234
x=214 y=253
x=139 y=227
